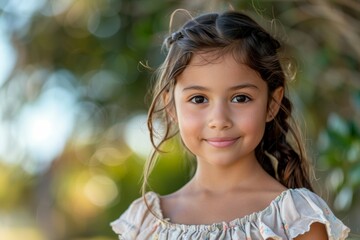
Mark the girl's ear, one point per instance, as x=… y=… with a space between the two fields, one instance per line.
x=275 y=103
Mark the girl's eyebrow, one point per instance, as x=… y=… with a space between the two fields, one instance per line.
x=245 y=85
x=195 y=87
x=236 y=87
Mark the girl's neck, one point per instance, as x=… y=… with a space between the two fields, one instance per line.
x=219 y=180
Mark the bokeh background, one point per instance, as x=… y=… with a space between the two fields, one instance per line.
x=73 y=137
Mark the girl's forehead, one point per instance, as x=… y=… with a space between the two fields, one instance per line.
x=210 y=59
x=220 y=69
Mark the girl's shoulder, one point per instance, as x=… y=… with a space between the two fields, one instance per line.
x=300 y=207
x=138 y=216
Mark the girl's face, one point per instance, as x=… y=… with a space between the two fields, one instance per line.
x=221 y=108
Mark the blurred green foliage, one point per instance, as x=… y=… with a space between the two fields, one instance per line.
x=85 y=54
x=339 y=145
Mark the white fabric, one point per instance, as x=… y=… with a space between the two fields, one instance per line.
x=287 y=216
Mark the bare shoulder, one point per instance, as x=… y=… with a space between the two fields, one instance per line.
x=168 y=201
x=317 y=231
x=273 y=186
x=171 y=204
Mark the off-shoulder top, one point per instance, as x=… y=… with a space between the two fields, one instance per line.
x=288 y=215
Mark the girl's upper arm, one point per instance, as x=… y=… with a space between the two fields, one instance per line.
x=317 y=231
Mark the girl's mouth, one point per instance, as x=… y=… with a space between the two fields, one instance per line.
x=221 y=142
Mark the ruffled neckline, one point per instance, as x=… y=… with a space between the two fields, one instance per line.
x=288 y=215
x=166 y=222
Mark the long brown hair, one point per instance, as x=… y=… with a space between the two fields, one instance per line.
x=237 y=34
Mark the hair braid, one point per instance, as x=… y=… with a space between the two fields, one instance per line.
x=292 y=168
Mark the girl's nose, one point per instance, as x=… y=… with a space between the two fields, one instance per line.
x=219 y=118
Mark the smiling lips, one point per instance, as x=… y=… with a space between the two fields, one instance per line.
x=221 y=142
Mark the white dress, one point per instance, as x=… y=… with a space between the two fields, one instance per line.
x=287 y=216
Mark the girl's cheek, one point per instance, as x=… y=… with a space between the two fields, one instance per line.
x=192 y=119
x=188 y=110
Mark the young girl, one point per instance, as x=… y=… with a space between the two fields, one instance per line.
x=223 y=90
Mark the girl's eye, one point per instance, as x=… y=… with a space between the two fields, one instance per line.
x=198 y=99
x=241 y=99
